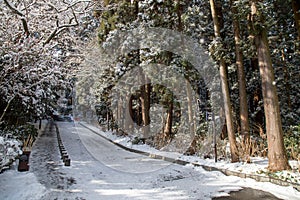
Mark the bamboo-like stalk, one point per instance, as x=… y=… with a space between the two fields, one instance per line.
x=27 y=143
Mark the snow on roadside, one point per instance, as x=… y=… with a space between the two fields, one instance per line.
x=258 y=166
x=16 y=185
x=9 y=150
x=24 y=185
x=20 y=185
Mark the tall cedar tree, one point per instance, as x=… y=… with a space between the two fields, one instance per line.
x=276 y=151
x=225 y=91
x=244 y=119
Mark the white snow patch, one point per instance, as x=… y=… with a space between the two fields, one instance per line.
x=20 y=185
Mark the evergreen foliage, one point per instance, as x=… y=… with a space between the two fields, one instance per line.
x=273 y=15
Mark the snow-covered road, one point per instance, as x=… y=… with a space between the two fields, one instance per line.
x=101 y=170
x=115 y=157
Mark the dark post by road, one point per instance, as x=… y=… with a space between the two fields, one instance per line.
x=215 y=136
x=40 y=124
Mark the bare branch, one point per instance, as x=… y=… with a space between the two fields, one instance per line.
x=52 y=6
x=13 y=9
x=25 y=26
x=17 y=12
x=59 y=29
x=51 y=36
x=75 y=17
x=28 y=6
x=6 y=107
x=68 y=5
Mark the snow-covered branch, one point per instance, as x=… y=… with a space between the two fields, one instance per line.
x=31 y=71
x=60 y=28
x=69 y=5
x=17 y=12
x=6 y=107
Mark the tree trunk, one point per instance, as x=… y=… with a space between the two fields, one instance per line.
x=108 y=120
x=256 y=96
x=145 y=89
x=120 y=115
x=225 y=92
x=276 y=151
x=282 y=9
x=192 y=123
x=145 y=101
x=129 y=115
x=168 y=127
x=286 y=79
x=244 y=119
x=296 y=10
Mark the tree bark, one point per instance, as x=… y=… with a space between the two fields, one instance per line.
x=145 y=88
x=145 y=103
x=276 y=151
x=146 y=106
x=256 y=96
x=244 y=119
x=296 y=10
x=225 y=92
x=129 y=115
x=192 y=123
x=120 y=115
x=168 y=127
x=191 y=113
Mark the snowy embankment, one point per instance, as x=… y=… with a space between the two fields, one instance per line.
x=9 y=150
x=20 y=185
x=257 y=169
x=14 y=184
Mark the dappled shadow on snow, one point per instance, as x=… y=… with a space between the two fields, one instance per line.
x=89 y=178
x=148 y=179
x=45 y=162
x=127 y=176
x=115 y=157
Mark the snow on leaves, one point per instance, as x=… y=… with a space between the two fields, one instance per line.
x=38 y=60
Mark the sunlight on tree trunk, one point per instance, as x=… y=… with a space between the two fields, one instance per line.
x=190 y=107
x=244 y=119
x=168 y=126
x=241 y=80
x=225 y=92
x=276 y=151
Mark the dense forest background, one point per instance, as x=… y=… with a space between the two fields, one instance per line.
x=47 y=46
